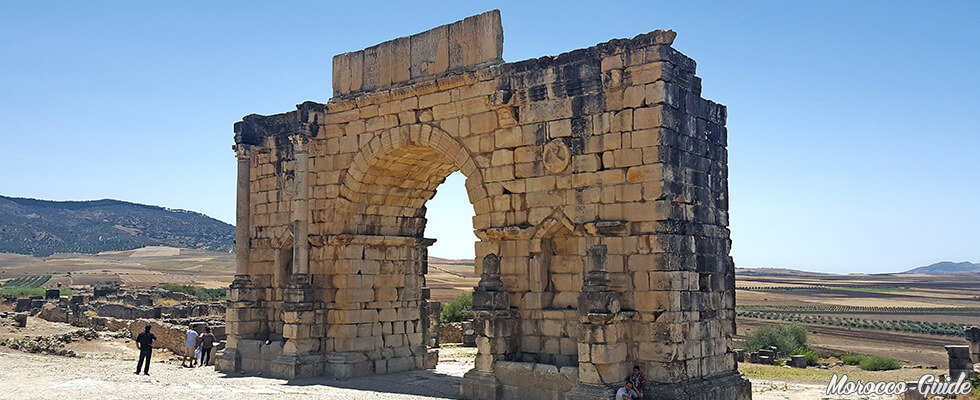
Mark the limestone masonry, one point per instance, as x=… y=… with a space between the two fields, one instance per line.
x=599 y=180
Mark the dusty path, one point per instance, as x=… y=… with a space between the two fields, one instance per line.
x=31 y=376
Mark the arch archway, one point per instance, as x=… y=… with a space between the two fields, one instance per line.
x=397 y=172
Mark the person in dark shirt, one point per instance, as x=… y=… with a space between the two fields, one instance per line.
x=144 y=342
x=207 y=343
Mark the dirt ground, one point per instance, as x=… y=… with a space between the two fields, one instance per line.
x=103 y=369
x=51 y=377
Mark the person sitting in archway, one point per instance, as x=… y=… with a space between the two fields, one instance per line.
x=627 y=392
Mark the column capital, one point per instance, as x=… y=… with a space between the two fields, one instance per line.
x=242 y=151
x=301 y=143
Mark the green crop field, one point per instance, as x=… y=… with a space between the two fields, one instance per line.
x=34 y=281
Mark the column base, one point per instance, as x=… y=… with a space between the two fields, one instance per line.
x=299 y=290
x=291 y=366
x=227 y=360
x=480 y=386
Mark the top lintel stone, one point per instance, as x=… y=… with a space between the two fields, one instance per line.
x=475 y=41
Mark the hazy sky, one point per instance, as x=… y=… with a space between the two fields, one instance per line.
x=853 y=131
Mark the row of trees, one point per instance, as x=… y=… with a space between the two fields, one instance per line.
x=826 y=287
x=935 y=328
x=860 y=309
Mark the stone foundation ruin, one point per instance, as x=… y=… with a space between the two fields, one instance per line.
x=599 y=183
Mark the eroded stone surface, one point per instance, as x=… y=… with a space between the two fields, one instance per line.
x=609 y=148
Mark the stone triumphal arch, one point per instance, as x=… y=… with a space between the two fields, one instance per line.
x=599 y=183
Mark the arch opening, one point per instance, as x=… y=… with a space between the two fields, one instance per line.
x=389 y=187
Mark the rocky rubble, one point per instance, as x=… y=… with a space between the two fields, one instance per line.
x=51 y=344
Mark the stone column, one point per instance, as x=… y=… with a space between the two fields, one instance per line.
x=601 y=350
x=243 y=314
x=298 y=357
x=301 y=218
x=242 y=283
x=495 y=325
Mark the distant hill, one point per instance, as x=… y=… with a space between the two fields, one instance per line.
x=771 y=271
x=439 y=260
x=42 y=227
x=946 y=267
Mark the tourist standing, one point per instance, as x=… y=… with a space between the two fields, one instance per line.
x=144 y=342
x=189 y=347
x=207 y=343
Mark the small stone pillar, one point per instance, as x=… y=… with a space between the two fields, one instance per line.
x=20 y=320
x=973 y=335
x=601 y=350
x=495 y=325
x=23 y=304
x=430 y=329
x=960 y=362
x=300 y=327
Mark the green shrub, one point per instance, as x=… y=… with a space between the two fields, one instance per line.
x=456 y=310
x=852 y=359
x=206 y=294
x=975 y=382
x=786 y=338
x=879 y=363
x=812 y=358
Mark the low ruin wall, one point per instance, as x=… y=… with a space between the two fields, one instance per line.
x=169 y=336
x=125 y=312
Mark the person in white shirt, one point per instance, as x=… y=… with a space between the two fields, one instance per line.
x=627 y=392
x=189 y=346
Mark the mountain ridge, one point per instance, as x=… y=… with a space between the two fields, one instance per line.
x=946 y=267
x=43 y=227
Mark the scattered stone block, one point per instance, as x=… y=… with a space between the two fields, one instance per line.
x=798 y=361
x=20 y=319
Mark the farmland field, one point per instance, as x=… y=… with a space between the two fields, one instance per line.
x=31 y=281
x=150 y=266
x=906 y=316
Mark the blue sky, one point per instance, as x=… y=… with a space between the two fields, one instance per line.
x=853 y=136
